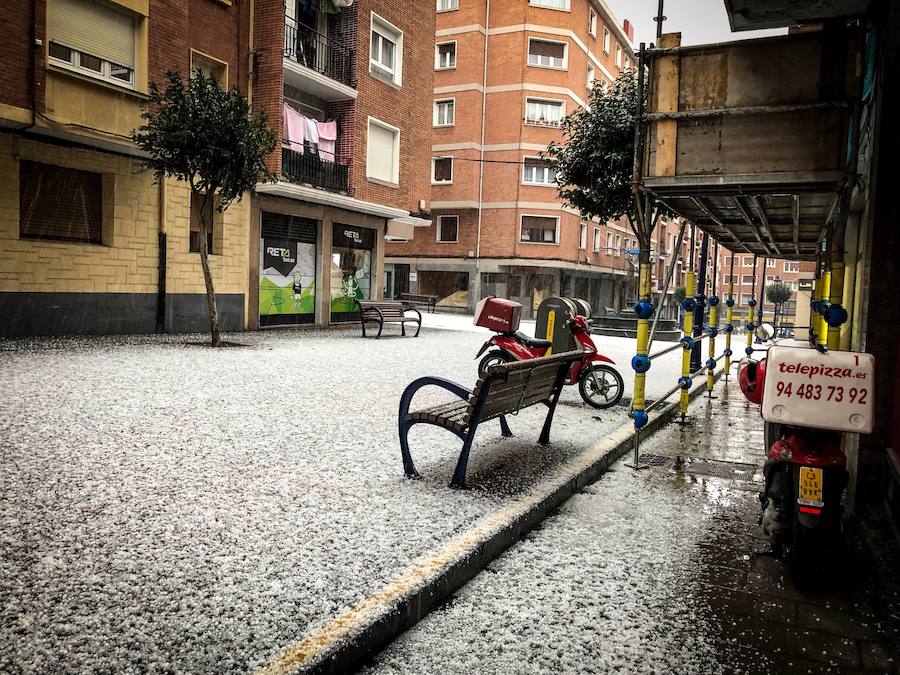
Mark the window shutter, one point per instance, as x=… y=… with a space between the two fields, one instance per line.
x=59 y=203
x=93 y=28
x=551 y=49
x=380 y=156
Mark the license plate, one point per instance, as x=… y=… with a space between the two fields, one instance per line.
x=810 y=486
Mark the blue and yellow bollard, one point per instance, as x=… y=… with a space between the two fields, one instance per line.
x=687 y=342
x=643 y=309
x=729 y=325
x=713 y=330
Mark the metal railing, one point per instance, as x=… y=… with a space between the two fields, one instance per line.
x=311 y=169
x=315 y=51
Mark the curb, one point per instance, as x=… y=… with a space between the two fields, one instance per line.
x=344 y=647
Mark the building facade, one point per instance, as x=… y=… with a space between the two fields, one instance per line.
x=90 y=244
x=506 y=73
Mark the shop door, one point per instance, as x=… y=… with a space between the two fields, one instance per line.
x=351 y=270
x=287 y=270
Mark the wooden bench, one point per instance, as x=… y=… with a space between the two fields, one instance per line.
x=387 y=311
x=503 y=390
x=418 y=299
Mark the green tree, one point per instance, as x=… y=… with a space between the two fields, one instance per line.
x=208 y=137
x=778 y=293
x=596 y=159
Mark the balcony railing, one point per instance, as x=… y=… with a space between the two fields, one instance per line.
x=311 y=169
x=315 y=51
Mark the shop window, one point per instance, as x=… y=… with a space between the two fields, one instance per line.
x=196 y=207
x=448 y=228
x=287 y=270
x=60 y=204
x=351 y=270
x=539 y=229
x=92 y=38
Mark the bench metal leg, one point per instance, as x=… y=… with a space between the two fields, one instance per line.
x=548 y=421
x=418 y=328
x=380 y=328
x=504 y=427
x=408 y=468
x=459 y=475
x=403 y=328
x=363 y=323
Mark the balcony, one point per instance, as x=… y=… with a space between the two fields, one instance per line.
x=311 y=169
x=318 y=65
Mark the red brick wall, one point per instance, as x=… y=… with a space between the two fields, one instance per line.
x=15 y=76
x=268 y=79
x=408 y=108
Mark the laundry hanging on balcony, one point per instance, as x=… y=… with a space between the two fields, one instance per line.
x=303 y=134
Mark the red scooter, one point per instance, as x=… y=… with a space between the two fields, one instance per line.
x=805 y=478
x=599 y=384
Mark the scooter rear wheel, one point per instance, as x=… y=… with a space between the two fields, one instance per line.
x=493 y=358
x=600 y=386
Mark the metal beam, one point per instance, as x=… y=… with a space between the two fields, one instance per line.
x=698 y=202
x=750 y=223
x=795 y=211
x=745 y=110
x=764 y=219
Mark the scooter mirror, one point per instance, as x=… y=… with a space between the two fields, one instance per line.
x=764 y=331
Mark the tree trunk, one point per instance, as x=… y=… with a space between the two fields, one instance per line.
x=207 y=276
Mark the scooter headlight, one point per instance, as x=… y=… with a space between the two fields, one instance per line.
x=785 y=452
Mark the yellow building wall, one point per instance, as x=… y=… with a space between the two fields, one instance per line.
x=127 y=261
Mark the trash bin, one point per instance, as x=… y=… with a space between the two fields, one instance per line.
x=552 y=317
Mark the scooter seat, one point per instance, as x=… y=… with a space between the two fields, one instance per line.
x=534 y=343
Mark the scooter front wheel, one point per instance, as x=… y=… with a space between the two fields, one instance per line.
x=493 y=358
x=600 y=386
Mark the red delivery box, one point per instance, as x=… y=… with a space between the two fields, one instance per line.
x=498 y=314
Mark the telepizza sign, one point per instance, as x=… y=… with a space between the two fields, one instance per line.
x=834 y=390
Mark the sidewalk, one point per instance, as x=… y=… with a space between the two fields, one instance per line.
x=168 y=506
x=654 y=572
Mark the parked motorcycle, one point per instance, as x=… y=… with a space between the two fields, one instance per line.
x=805 y=478
x=599 y=383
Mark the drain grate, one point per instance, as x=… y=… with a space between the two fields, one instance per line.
x=654 y=460
x=719 y=469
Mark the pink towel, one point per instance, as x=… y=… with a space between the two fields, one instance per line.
x=327 y=137
x=293 y=128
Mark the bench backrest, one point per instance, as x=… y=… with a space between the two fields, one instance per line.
x=509 y=387
x=389 y=308
x=417 y=297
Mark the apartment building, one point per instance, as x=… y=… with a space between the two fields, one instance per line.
x=506 y=73
x=347 y=84
x=90 y=244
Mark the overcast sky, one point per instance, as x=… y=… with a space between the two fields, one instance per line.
x=699 y=21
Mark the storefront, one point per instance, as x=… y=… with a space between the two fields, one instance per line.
x=287 y=270
x=352 y=258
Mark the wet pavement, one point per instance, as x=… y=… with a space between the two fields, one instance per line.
x=656 y=571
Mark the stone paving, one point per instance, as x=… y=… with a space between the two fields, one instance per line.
x=655 y=572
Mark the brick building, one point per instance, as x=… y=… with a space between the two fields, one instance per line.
x=504 y=77
x=89 y=244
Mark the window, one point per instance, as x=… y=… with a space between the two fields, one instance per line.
x=196 y=208
x=748 y=261
x=582 y=236
x=770 y=262
x=791 y=266
x=591 y=75
x=592 y=22
x=94 y=39
x=552 y=4
x=445 y=113
x=60 y=204
x=609 y=242
x=772 y=279
x=539 y=229
x=597 y=240
x=618 y=245
x=538 y=172
x=386 y=50
x=747 y=279
x=627 y=63
x=445 y=55
x=447 y=5
x=606 y=39
x=618 y=55
x=547 y=54
x=448 y=228
x=383 y=152
x=441 y=170
x=218 y=70
x=543 y=113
